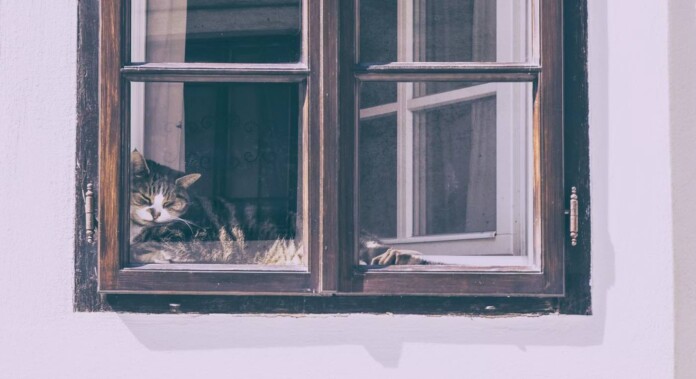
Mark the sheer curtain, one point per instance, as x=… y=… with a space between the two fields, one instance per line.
x=157 y=111
x=451 y=185
x=481 y=195
x=456 y=151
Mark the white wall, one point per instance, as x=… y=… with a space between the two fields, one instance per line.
x=630 y=336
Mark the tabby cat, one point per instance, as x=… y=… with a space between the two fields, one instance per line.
x=170 y=225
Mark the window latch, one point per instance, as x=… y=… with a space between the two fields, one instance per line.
x=89 y=213
x=573 y=216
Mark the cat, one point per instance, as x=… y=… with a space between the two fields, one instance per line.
x=168 y=224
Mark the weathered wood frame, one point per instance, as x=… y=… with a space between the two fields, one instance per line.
x=329 y=229
x=115 y=74
x=547 y=127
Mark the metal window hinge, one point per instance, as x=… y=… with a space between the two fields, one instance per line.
x=574 y=216
x=89 y=213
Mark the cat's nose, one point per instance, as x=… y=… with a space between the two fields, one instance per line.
x=155 y=213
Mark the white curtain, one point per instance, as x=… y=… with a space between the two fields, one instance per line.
x=456 y=193
x=157 y=109
x=481 y=201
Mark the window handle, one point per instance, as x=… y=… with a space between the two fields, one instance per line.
x=89 y=213
x=573 y=216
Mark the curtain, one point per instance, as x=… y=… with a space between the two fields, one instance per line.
x=157 y=110
x=481 y=194
x=456 y=192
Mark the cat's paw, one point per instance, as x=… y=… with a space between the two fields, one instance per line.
x=398 y=257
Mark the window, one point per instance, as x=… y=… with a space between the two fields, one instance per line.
x=431 y=203
x=361 y=148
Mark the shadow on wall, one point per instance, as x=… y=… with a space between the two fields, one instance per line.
x=384 y=336
x=682 y=21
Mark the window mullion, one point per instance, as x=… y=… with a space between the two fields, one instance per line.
x=325 y=83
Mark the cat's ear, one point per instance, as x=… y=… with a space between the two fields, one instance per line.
x=187 y=180
x=138 y=164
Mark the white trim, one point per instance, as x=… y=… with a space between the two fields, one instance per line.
x=440 y=238
x=533 y=31
x=378 y=111
x=499 y=245
x=405 y=123
x=138 y=25
x=487 y=263
x=517 y=33
x=505 y=159
x=493 y=263
x=304 y=24
x=461 y=95
x=527 y=181
x=523 y=172
x=505 y=30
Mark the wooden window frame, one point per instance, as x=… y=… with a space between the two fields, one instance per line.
x=547 y=278
x=116 y=72
x=562 y=286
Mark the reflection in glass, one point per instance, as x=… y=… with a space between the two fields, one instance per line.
x=223 y=31
x=214 y=174
x=455 y=154
x=378 y=182
x=445 y=174
x=378 y=30
x=445 y=30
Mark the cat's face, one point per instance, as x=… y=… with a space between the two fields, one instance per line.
x=159 y=195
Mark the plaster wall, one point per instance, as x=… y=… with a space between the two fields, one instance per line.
x=631 y=334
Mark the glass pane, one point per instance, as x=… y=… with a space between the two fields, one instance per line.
x=445 y=176
x=378 y=182
x=455 y=154
x=223 y=31
x=215 y=174
x=378 y=23
x=373 y=94
x=445 y=30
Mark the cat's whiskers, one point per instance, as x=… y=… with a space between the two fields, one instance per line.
x=187 y=223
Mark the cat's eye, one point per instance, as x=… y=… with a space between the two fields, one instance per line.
x=176 y=204
x=140 y=199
